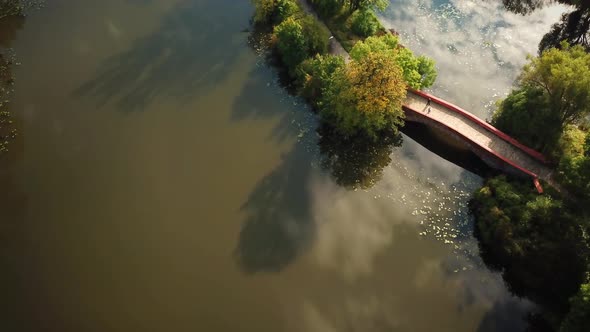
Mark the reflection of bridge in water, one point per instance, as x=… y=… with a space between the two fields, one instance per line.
x=494 y=147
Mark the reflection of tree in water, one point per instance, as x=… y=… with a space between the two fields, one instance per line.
x=8 y=28
x=357 y=162
x=191 y=51
x=574 y=26
x=278 y=224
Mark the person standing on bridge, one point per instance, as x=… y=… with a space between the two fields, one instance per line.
x=428 y=103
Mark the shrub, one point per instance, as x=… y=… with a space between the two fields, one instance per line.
x=291 y=43
x=316 y=35
x=364 y=23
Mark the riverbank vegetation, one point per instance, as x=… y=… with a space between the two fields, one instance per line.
x=359 y=97
x=541 y=243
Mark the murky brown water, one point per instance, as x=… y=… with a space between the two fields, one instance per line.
x=163 y=181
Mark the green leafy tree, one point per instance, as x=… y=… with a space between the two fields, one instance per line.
x=366 y=4
x=564 y=75
x=365 y=97
x=364 y=23
x=578 y=318
x=526 y=115
x=574 y=166
x=328 y=8
x=274 y=11
x=553 y=93
x=316 y=35
x=418 y=72
x=315 y=74
x=535 y=240
x=291 y=43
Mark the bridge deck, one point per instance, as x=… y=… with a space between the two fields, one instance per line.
x=478 y=134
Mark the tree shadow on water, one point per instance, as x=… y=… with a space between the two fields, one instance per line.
x=192 y=51
x=356 y=162
x=278 y=225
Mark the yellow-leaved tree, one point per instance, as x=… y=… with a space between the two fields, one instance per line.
x=365 y=97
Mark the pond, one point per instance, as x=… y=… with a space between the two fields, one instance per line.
x=162 y=180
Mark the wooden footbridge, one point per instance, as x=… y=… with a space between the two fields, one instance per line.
x=494 y=147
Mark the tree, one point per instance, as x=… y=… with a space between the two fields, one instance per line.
x=291 y=43
x=574 y=167
x=553 y=93
x=274 y=11
x=316 y=35
x=526 y=115
x=535 y=240
x=418 y=72
x=328 y=8
x=315 y=74
x=364 y=23
x=368 y=4
x=574 y=26
x=564 y=75
x=578 y=318
x=365 y=97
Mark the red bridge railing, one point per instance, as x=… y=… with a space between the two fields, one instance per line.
x=531 y=152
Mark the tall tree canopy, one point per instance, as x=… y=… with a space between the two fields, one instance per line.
x=418 y=72
x=366 y=96
x=574 y=26
x=553 y=92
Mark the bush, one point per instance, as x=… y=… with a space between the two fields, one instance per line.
x=274 y=11
x=535 y=240
x=291 y=43
x=364 y=23
x=328 y=8
x=284 y=9
x=526 y=115
x=314 y=75
x=316 y=35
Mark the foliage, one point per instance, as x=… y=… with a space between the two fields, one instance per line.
x=574 y=26
x=285 y=8
x=564 y=75
x=574 y=166
x=365 y=97
x=264 y=11
x=418 y=72
x=328 y=8
x=291 y=43
x=526 y=115
x=535 y=240
x=368 y=4
x=364 y=23
x=274 y=11
x=314 y=75
x=316 y=35
x=553 y=93
x=578 y=318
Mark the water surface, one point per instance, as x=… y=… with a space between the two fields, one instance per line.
x=163 y=181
